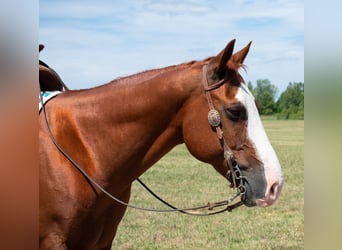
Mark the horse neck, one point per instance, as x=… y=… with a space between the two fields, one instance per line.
x=152 y=94
x=141 y=119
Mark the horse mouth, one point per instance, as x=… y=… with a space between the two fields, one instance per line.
x=262 y=203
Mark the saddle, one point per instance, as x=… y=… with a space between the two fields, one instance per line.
x=49 y=80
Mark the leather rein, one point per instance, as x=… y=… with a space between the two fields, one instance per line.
x=233 y=174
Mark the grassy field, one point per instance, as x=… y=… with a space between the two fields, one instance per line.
x=184 y=181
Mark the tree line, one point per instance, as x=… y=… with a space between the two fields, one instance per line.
x=289 y=105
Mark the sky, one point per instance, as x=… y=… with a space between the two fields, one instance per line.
x=90 y=43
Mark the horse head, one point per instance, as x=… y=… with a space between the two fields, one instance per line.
x=241 y=125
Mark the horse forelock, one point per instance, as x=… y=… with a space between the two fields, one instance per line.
x=233 y=69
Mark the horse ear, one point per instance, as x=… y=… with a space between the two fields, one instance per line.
x=41 y=47
x=217 y=65
x=240 y=56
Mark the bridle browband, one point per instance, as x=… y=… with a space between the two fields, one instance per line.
x=233 y=174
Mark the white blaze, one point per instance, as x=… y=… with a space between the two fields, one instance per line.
x=264 y=149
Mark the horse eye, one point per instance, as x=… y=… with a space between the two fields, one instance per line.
x=237 y=113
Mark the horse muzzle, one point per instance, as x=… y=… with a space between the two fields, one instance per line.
x=254 y=195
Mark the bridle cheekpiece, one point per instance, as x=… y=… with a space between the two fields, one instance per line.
x=233 y=174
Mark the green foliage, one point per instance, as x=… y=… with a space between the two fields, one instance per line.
x=290 y=104
x=250 y=87
x=264 y=94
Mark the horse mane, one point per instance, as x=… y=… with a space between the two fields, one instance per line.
x=148 y=74
x=152 y=72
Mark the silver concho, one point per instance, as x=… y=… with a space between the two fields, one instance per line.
x=214 y=118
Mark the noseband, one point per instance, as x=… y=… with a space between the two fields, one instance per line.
x=233 y=174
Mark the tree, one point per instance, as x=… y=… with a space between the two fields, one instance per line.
x=264 y=94
x=290 y=104
x=250 y=87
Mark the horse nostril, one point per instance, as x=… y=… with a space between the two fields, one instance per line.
x=271 y=195
x=274 y=191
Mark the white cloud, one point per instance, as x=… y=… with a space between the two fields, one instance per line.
x=177 y=8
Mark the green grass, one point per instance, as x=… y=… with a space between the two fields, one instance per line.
x=184 y=181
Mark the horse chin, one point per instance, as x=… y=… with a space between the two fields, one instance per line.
x=248 y=203
x=248 y=200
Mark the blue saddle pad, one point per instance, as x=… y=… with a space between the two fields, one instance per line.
x=47 y=95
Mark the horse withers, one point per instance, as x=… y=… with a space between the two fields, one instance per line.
x=118 y=130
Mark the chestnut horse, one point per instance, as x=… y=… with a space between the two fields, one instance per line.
x=118 y=130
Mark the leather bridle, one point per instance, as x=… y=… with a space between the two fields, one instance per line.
x=233 y=174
